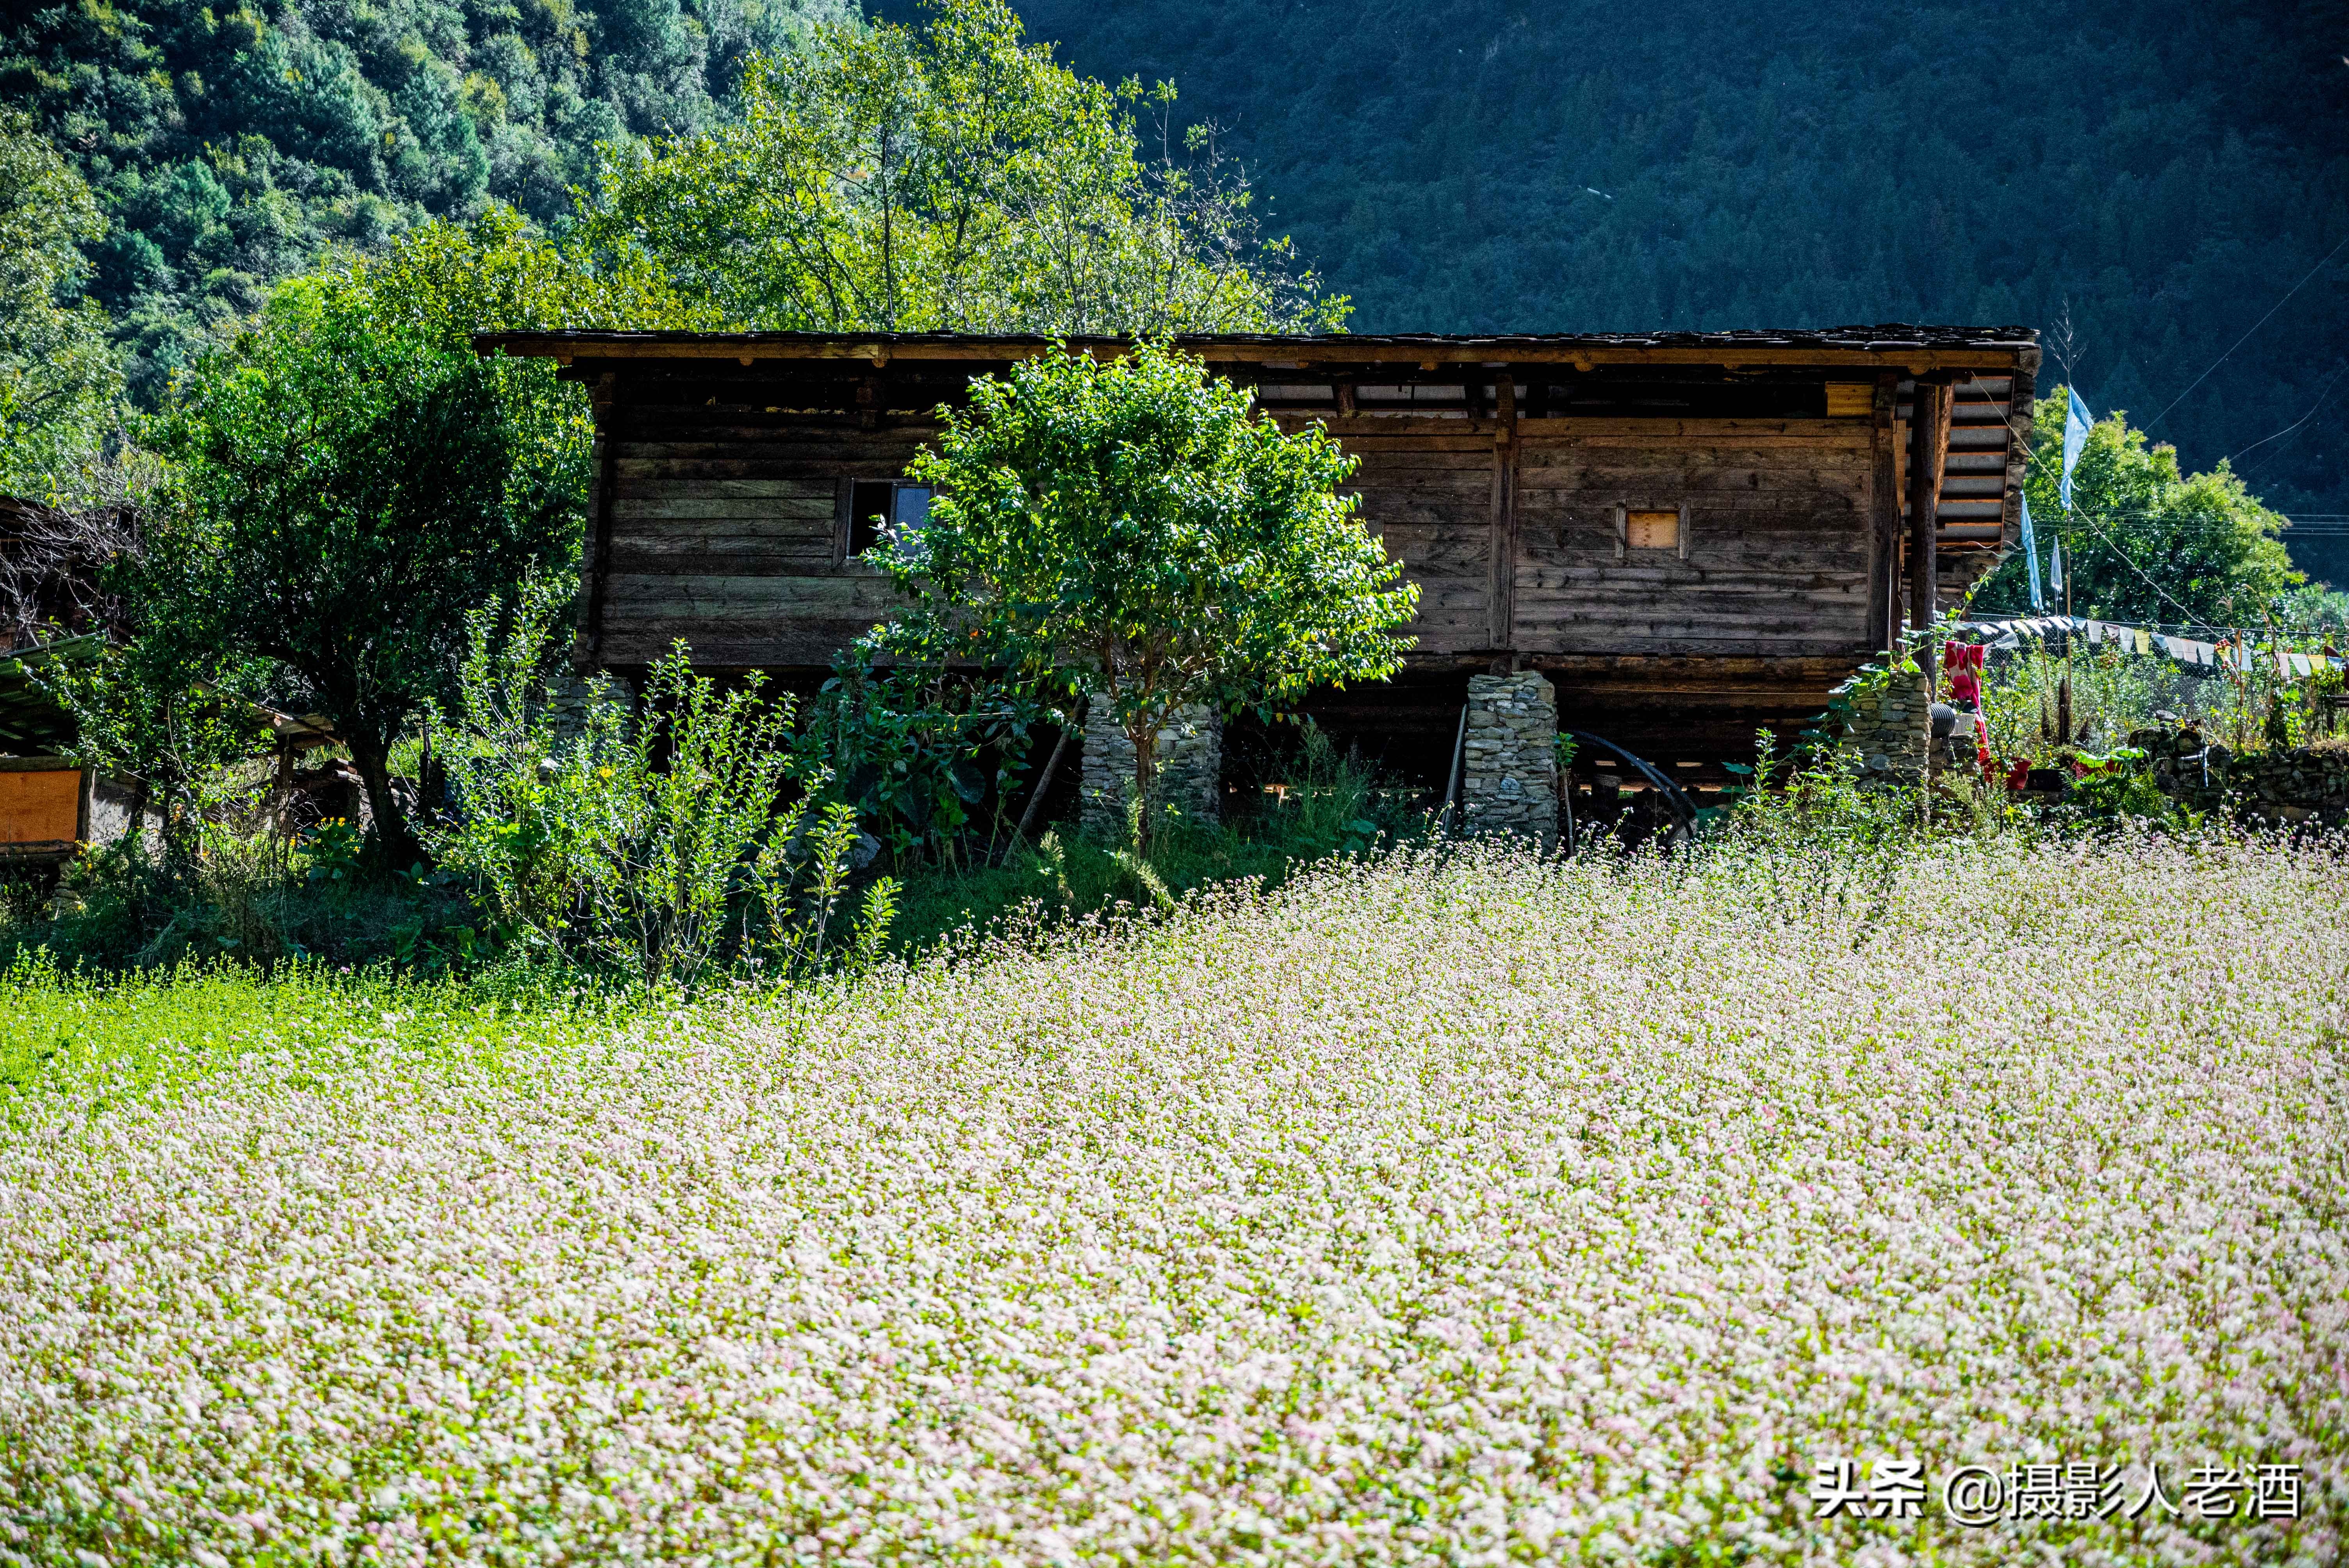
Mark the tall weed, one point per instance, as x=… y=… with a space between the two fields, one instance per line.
x=658 y=841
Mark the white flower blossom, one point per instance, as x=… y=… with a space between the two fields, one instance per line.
x=1465 y=1211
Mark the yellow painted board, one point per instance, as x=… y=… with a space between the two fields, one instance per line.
x=40 y=806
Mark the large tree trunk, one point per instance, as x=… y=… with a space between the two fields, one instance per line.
x=395 y=839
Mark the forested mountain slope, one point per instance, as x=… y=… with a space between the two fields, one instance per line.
x=2166 y=172
x=2171 y=169
x=228 y=143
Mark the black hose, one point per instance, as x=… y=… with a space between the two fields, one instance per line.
x=1674 y=796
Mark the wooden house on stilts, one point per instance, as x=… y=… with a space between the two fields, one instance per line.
x=1667 y=539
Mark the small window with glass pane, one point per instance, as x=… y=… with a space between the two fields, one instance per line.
x=877 y=507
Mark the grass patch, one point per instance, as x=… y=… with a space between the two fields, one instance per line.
x=1325 y=804
x=105 y=1037
x=1072 y=877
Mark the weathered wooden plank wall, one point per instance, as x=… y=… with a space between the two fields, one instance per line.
x=725 y=527
x=726 y=530
x=1425 y=489
x=1777 y=562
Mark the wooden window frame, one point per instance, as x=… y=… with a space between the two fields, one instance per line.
x=1623 y=510
x=843 y=553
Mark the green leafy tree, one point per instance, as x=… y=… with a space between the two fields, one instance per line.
x=950 y=177
x=348 y=487
x=498 y=273
x=1131 y=529
x=350 y=480
x=169 y=714
x=58 y=376
x=231 y=144
x=2144 y=542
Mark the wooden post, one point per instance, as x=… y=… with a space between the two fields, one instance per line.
x=1447 y=820
x=1504 y=511
x=1928 y=431
x=2022 y=384
x=1884 y=543
x=602 y=397
x=1044 y=780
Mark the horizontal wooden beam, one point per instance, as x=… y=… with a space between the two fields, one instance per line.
x=1728 y=667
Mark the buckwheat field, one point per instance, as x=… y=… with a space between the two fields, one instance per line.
x=1461 y=1211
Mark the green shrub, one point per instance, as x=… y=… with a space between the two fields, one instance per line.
x=1814 y=799
x=653 y=843
x=1326 y=803
x=2120 y=787
x=1331 y=803
x=248 y=896
x=919 y=756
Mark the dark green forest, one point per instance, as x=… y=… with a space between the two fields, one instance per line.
x=2163 y=172
x=2156 y=176
x=227 y=146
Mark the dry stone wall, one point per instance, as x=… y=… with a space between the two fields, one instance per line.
x=1508 y=777
x=1890 y=728
x=568 y=693
x=2303 y=785
x=1190 y=759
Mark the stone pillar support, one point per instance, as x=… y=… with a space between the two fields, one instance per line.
x=1508 y=778
x=1890 y=729
x=1190 y=764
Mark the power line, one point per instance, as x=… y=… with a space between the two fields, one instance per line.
x=2239 y=342
x=2322 y=392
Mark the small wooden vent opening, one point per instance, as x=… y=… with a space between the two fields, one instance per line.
x=1653 y=530
x=1850 y=400
x=1651 y=527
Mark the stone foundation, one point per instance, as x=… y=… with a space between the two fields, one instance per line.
x=1889 y=728
x=567 y=692
x=1508 y=774
x=1190 y=767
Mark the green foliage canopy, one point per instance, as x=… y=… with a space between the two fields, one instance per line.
x=497 y=272
x=1131 y=530
x=949 y=178
x=349 y=481
x=230 y=145
x=59 y=378
x=2145 y=542
x=168 y=714
x=347 y=489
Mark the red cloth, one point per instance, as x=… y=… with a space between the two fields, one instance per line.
x=1961 y=660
